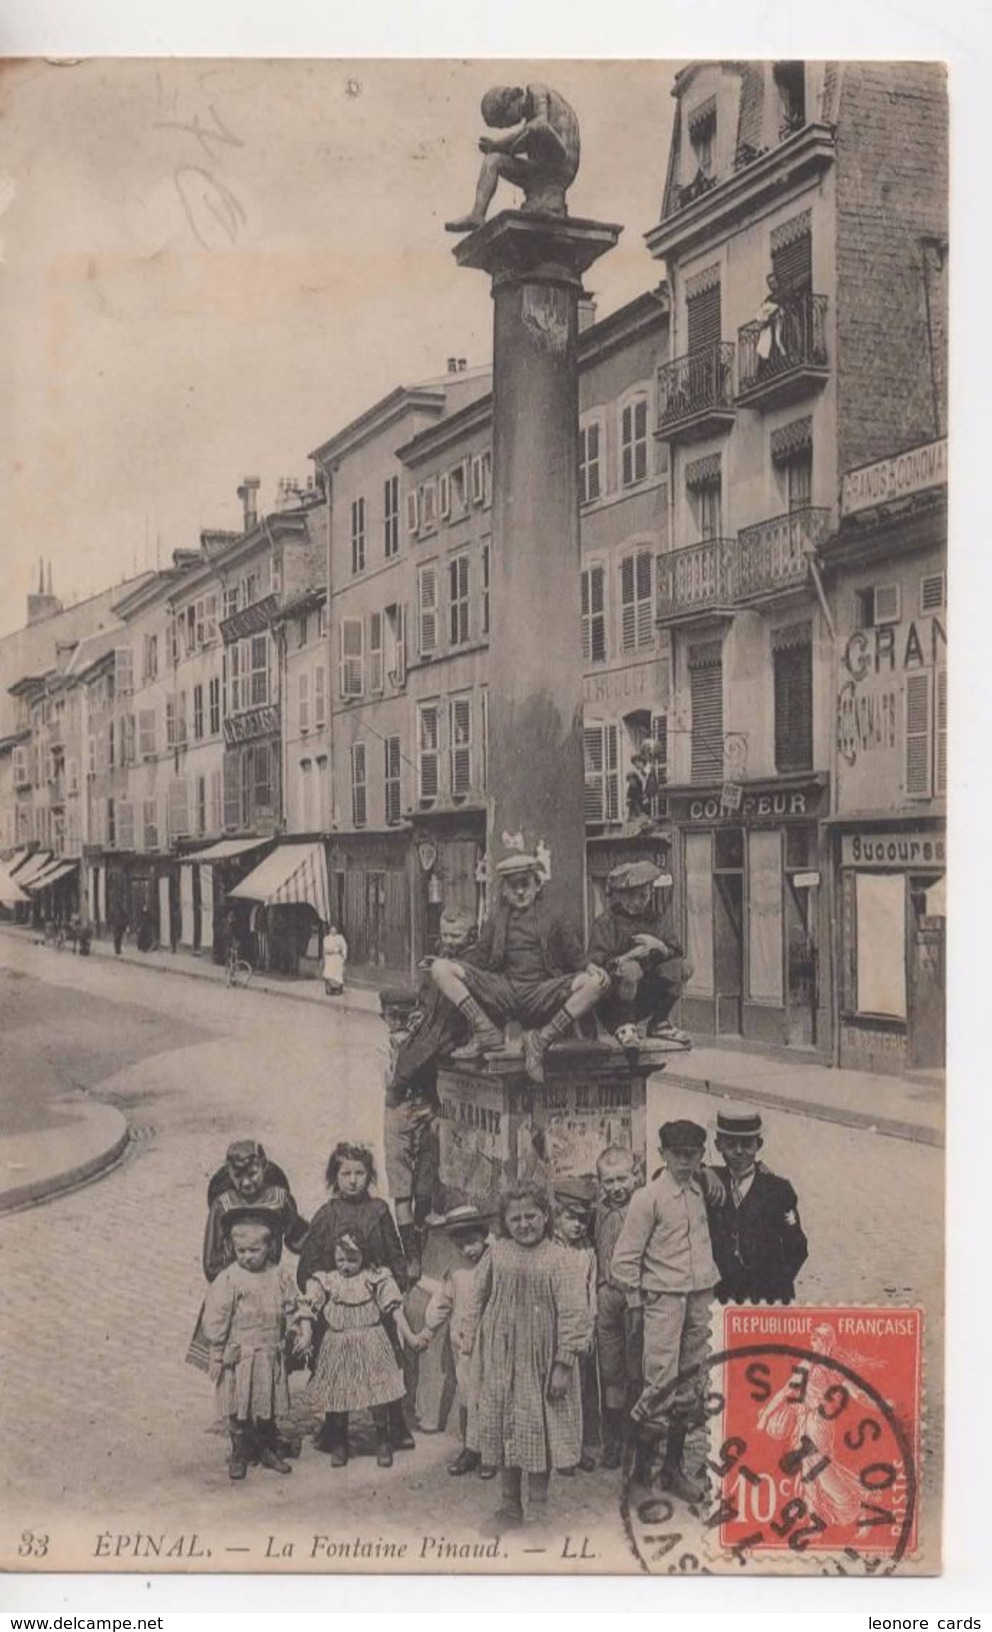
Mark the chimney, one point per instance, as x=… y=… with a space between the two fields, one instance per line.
x=248 y=494
x=452 y=365
x=587 y=312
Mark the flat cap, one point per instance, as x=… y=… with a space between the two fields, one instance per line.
x=577 y=1193
x=682 y=1136
x=516 y=863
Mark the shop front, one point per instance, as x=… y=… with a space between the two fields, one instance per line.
x=892 y=925
x=370 y=901
x=449 y=872
x=750 y=864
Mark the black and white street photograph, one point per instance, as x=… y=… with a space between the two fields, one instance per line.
x=473 y=780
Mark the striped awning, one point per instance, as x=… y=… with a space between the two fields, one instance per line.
x=224 y=850
x=10 y=891
x=29 y=870
x=293 y=872
x=52 y=875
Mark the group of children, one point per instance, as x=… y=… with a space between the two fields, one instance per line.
x=573 y=1319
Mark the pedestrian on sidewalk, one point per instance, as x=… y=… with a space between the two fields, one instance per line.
x=335 y=958
x=758 y=1239
x=249 y=1311
x=118 y=926
x=356 y=1367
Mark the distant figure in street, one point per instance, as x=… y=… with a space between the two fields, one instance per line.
x=146 y=931
x=118 y=926
x=246 y=1317
x=335 y=958
x=758 y=1240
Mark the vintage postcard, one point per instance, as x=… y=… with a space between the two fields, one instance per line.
x=473 y=756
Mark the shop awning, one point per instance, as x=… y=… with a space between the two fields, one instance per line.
x=293 y=872
x=13 y=862
x=51 y=875
x=38 y=863
x=10 y=892
x=224 y=850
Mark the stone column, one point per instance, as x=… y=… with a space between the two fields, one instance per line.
x=536 y=773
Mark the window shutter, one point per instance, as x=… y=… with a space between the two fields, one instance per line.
x=216 y=801
x=940 y=732
x=611 y=773
x=932 y=592
x=792 y=263
x=178 y=808
x=919 y=755
x=304 y=704
x=427 y=585
x=703 y=317
x=886 y=603
x=628 y=610
x=352 y=653
x=232 y=791
x=594 y=807
x=428 y=753
x=375 y=652
x=444 y=496
x=659 y=731
x=124 y=827
x=706 y=697
x=319 y=697
x=391 y=768
x=461 y=745
x=793 y=683
x=359 y=808
x=594 y=614
x=645 y=604
x=412 y=512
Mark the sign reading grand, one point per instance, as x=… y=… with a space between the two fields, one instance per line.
x=896 y=478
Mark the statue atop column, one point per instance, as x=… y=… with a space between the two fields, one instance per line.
x=540 y=155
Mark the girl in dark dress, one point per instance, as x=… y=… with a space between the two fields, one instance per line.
x=352 y=1211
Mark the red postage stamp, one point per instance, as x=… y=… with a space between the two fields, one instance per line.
x=819 y=1430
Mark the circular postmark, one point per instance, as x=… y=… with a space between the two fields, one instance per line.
x=792 y=1460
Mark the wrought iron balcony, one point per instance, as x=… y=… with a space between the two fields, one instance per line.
x=696 y=393
x=784 y=355
x=774 y=555
x=698 y=579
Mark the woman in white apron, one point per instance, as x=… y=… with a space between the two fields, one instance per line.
x=335 y=958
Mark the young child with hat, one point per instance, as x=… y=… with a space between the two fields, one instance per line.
x=527 y=965
x=758 y=1240
x=637 y=948
x=664 y=1263
x=249 y=1308
x=449 y=1301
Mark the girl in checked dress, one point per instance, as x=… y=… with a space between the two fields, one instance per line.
x=528 y=1323
x=356 y=1367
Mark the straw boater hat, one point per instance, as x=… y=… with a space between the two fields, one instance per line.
x=741 y=1123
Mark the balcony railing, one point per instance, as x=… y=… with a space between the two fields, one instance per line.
x=775 y=555
x=697 y=578
x=789 y=345
x=697 y=389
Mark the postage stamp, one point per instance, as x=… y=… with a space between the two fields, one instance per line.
x=814 y=1419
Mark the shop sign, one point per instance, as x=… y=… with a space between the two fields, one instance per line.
x=888 y=479
x=757 y=804
x=805 y=881
x=731 y=796
x=255 y=722
x=251 y=620
x=901 y=850
x=619 y=685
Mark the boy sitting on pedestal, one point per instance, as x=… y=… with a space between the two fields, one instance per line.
x=527 y=965
x=639 y=952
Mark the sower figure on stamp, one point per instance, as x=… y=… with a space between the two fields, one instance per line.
x=637 y=948
x=758 y=1240
x=541 y=155
x=528 y=965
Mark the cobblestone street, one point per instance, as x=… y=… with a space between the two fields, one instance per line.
x=106 y=1430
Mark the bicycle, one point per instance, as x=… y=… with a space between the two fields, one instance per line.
x=239 y=970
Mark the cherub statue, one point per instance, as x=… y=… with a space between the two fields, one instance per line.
x=541 y=155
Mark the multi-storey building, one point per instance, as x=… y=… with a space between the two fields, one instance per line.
x=795 y=204
x=301 y=639
x=380 y=526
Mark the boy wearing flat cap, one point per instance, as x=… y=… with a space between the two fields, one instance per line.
x=527 y=965
x=664 y=1263
x=758 y=1240
x=639 y=952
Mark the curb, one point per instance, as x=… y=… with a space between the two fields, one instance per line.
x=890 y=1127
x=56 y=1184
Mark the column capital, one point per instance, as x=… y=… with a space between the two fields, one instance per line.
x=515 y=247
